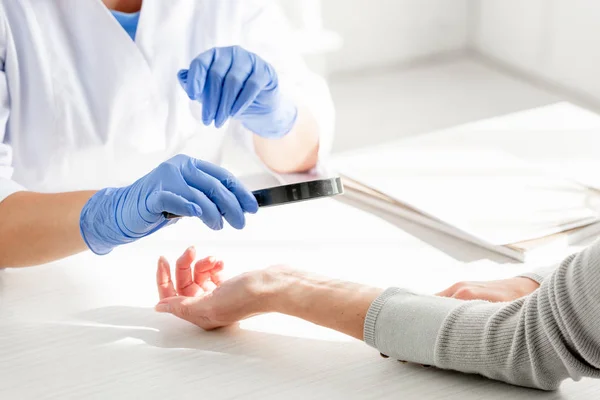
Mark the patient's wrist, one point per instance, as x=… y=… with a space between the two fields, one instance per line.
x=335 y=304
x=292 y=291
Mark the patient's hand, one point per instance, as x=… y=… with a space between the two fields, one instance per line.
x=201 y=297
x=494 y=291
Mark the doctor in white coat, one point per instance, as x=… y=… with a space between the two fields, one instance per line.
x=99 y=100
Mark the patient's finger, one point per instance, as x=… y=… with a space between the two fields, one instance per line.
x=183 y=273
x=451 y=290
x=203 y=273
x=202 y=270
x=215 y=280
x=163 y=280
x=473 y=293
x=205 y=264
x=218 y=278
x=217 y=267
x=216 y=274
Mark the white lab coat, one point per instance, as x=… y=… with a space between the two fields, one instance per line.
x=82 y=106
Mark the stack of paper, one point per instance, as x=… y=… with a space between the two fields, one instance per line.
x=487 y=197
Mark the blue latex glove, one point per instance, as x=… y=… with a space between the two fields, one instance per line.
x=182 y=185
x=231 y=82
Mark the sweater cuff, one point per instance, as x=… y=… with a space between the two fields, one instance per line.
x=406 y=325
x=540 y=274
x=373 y=313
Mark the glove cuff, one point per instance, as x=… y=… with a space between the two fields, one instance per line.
x=97 y=223
x=275 y=124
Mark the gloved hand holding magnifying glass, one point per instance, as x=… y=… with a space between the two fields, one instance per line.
x=182 y=185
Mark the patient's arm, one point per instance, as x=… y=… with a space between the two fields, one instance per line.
x=200 y=297
x=536 y=341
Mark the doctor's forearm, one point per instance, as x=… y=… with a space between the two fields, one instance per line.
x=298 y=151
x=39 y=228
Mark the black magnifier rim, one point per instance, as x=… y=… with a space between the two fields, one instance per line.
x=298 y=192
x=293 y=193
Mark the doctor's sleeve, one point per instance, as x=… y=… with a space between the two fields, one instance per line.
x=7 y=186
x=267 y=32
x=537 y=341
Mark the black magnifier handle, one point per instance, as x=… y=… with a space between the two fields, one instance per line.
x=170 y=216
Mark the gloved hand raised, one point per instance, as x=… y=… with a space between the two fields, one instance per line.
x=182 y=185
x=231 y=82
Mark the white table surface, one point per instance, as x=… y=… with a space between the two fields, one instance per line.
x=84 y=327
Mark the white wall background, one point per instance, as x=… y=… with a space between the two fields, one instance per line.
x=381 y=33
x=556 y=40
x=386 y=32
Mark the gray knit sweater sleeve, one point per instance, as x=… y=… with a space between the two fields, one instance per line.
x=540 y=274
x=538 y=341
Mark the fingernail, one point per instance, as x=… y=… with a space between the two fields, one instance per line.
x=212 y=260
x=163 y=308
x=191 y=248
x=162 y=260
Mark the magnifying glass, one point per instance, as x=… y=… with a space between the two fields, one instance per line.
x=293 y=193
